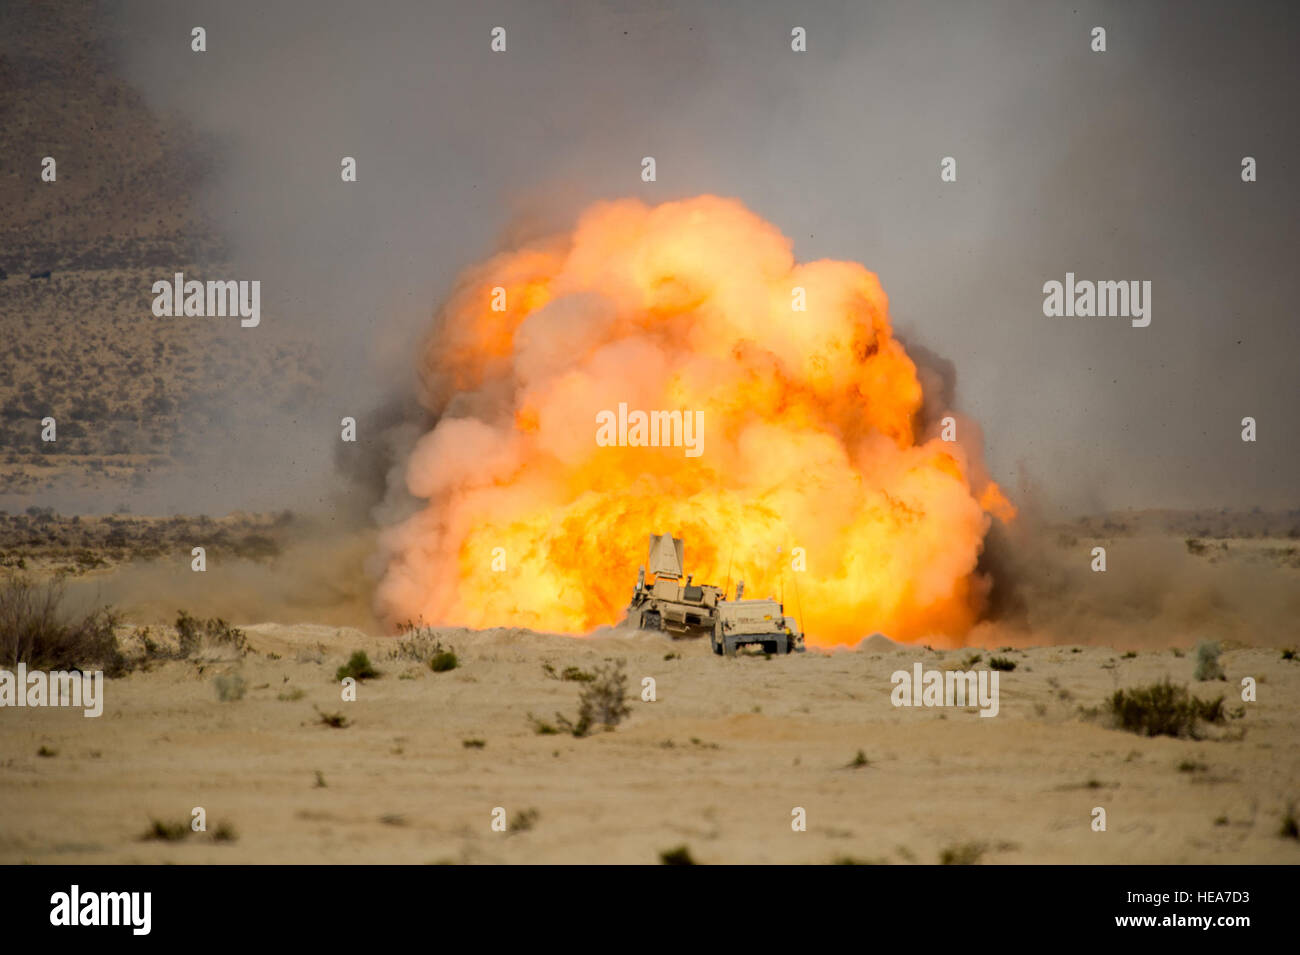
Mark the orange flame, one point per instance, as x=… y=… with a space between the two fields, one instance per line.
x=811 y=483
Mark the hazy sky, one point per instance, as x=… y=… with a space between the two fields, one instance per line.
x=1115 y=166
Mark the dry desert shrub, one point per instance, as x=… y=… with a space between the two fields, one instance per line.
x=230 y=687
x=524 y=820
x=1207 y=661
x=423 y=645
x=678 y=855
x=34 y=629
x=1162 y=709
x=163 y=831
x=334 y=720
x=603 y=702
x=1290 y=828
x=195 y=635
x=967 y=853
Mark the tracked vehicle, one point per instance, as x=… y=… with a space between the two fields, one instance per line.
x=670 y=603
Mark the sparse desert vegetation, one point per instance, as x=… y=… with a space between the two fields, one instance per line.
x=333 y=720
x=42 y=541
x=36 y=628
x=735 y=751
x=419 y=643
x=733 y=727
x=196 y=637
x=1163 y=709
x=602 y=702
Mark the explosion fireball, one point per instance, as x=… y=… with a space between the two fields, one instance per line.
x=814 y=479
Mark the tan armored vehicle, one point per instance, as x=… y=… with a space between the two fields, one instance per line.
x=669 y=603
x=739 y=622
x=687 y=609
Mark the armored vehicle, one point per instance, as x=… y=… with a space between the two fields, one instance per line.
x=680 y=608
x=739 y=622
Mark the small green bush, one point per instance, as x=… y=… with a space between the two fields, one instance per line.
x=524 y=820
x=678 y=855
x=1290 y=828
x=541 y=727
x=166 y=831
x=336 y=720
x=443 y=660
x=358 y=667
x=1163 y=709
x=570 y=674
x=1207 y=661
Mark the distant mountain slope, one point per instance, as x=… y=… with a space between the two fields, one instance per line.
x=133 y=395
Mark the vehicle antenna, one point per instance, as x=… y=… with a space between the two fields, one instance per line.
x=781 y=570
x=798 y=606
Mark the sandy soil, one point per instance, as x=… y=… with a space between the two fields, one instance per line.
x=717 y=763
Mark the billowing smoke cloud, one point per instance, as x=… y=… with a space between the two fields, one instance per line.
x=1160 y=588
x=840 y=145
x=789 y=452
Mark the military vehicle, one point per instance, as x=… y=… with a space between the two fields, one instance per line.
x=679 y=608
x=688 y=609
x=740 y=622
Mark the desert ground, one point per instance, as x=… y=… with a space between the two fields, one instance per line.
x=716 y=763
